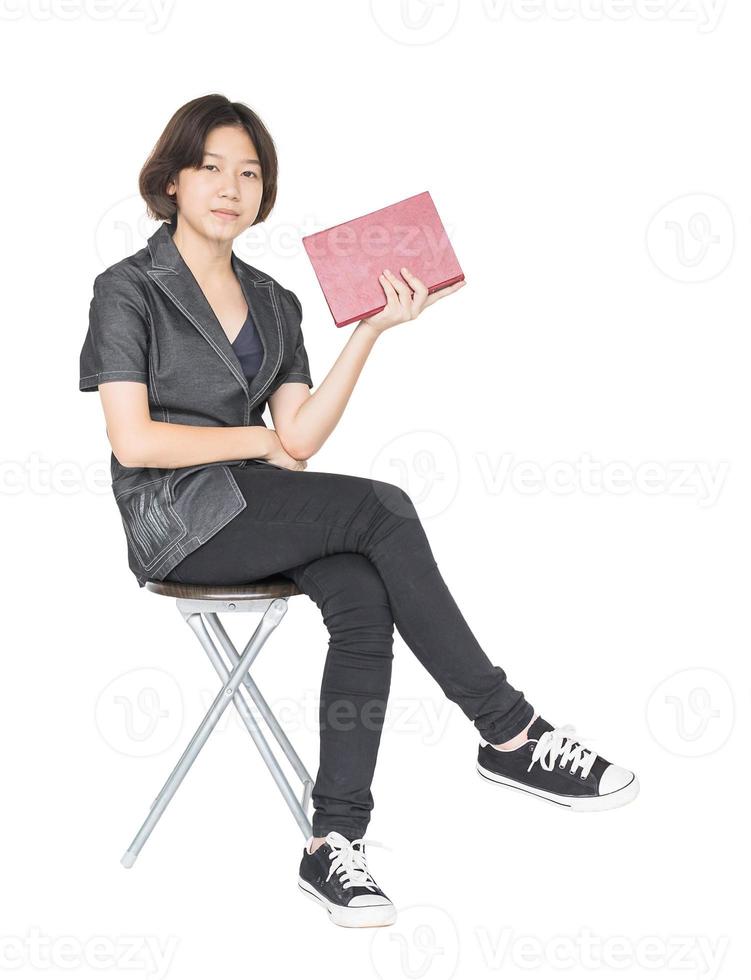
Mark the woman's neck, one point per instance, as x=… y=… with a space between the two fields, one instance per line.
x=209 y=260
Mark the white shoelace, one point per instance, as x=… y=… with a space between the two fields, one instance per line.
x=349 y=862
x=560 y=741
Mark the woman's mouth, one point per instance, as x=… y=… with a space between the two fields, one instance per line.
x=226 y=215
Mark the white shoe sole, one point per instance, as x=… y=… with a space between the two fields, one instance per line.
x=609 y=801
x=359 y=917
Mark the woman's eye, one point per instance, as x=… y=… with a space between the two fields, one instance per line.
x=251 y=172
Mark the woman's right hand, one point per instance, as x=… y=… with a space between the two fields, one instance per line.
x=279 y=456
x=405 y=300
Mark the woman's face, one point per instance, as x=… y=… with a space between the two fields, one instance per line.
x=229 y=178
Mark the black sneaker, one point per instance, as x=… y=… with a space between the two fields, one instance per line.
x=555 y=767
x=337 y=877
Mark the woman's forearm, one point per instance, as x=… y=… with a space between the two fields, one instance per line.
x=318 y=416
x=171 y=445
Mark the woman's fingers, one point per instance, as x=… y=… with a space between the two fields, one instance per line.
x=419 y=290
x=422 y=298
x=391 y=293
x=402 y=289
x=446 y=291
x=417 y=285
x=405 y=300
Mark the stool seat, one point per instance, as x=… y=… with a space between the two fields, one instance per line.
x=273 y=587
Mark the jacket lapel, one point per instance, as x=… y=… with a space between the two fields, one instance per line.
x=171 y=274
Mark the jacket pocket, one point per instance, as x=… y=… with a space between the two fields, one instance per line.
x=152 y=524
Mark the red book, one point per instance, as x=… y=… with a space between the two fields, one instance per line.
x=348 y=258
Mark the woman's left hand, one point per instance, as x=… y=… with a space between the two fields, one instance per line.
x=405 y=300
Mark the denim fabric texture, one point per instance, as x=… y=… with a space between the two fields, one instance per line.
x=357 y=547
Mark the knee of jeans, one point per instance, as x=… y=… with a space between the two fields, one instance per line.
x=393 y=498
x=353 y=601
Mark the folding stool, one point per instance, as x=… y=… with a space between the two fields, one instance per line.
x=199 y=605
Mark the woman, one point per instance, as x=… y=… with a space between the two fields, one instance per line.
x=186 y=344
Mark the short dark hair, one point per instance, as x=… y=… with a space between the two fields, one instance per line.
x=182 y=144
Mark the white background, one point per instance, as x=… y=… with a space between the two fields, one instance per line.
x=590 y=161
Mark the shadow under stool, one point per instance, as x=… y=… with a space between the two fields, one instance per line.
x=200 y=606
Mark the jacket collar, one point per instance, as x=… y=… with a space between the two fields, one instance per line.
x=171 y=274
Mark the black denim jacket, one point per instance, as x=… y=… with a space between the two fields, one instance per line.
x=150 y=321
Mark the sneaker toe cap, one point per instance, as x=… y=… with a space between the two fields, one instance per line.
x=360 y=901
x=615 y=778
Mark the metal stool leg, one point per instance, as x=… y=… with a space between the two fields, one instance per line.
x=270 y=719
x=299 y=810
x=271 y=619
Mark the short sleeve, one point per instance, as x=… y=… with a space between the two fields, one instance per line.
x=116 y=347
x=299 y=369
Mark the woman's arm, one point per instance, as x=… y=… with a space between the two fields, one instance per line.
x=304 y=421
x=138 y=440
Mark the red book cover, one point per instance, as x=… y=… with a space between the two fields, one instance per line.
x=348 y=258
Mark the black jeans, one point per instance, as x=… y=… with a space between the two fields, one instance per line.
x=357 y=548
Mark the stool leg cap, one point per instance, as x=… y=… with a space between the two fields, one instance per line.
x=128 y=859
